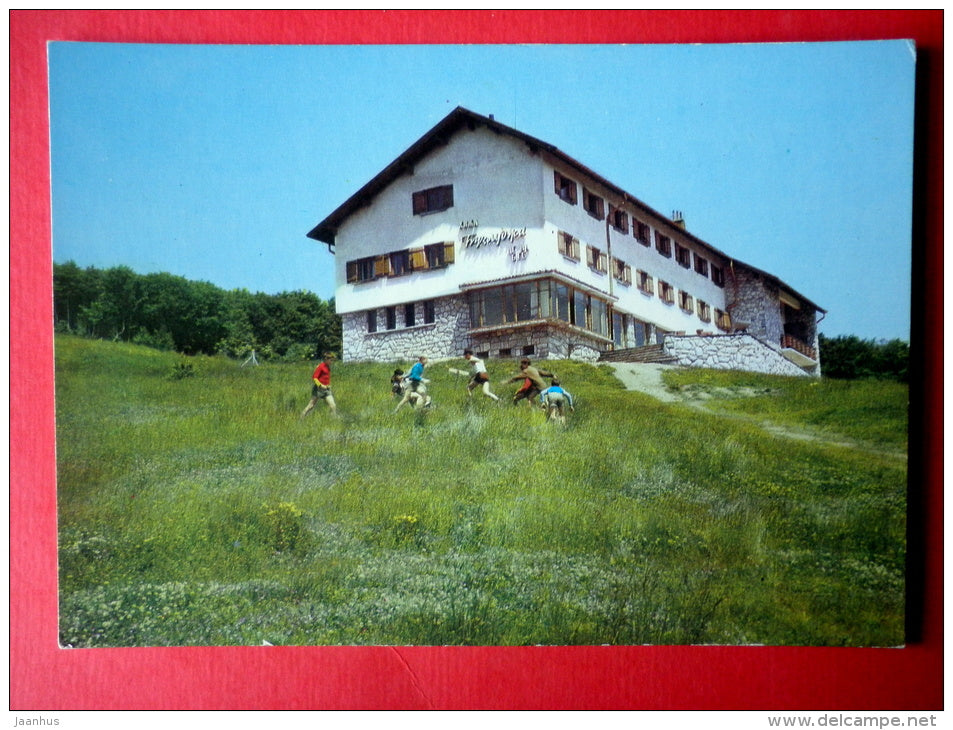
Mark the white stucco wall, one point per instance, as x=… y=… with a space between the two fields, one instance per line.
x=575 y=220
x=496 y=184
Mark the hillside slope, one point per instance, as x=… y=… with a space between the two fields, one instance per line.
x=197 y=508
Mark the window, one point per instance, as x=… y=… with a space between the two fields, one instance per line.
x=619 y=329
x=598 y=316
x=565 y=188
x=701 y=265
x=433 y=200
x=409 y=318
x=438 y=255
x=619 y=219
x=506 y=352
x=541 y=299
x=685 y=301
x=666 y=292
x=382 y=265
x=663 y=244
x=372 y=320
x=430 y=312
x=562 y=302
x=521 y=302
x=593 y=204
x=568 y=246
x=400 y=263
x=529 y=350
x=644 y=283
x=717 y=275
x=596 y=259
x=704 y=311
x=722 y=320
x=391 y=313
x=683 y=256
x=580 y=307
x=641 y=232
x=360 y=270
x=621 y=271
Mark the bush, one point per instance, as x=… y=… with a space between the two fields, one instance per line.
x=850 y=357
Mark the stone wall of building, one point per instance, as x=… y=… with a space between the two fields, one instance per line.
x=444 y=337
x=738 y=351
x=545 y=341
x=756 y=303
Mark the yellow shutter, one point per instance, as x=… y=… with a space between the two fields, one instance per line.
x=382 y=266
x=448 y=252
x=418 y=259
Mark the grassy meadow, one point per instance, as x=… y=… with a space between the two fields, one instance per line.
x=195 y=508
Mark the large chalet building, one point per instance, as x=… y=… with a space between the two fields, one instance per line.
x=479 y=236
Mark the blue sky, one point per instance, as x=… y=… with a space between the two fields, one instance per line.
x=213 y=162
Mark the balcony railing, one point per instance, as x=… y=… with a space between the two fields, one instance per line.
x=793 y=343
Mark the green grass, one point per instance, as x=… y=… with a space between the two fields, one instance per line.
x=196 y=509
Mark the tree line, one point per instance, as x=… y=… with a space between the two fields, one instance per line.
x=174 y=313
x=850 y=357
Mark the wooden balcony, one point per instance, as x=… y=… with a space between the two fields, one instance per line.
x=798 y=351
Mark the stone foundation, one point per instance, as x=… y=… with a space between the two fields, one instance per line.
x=444 y=337
x=739 y=351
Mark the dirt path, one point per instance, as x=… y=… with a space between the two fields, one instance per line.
x=647 y=378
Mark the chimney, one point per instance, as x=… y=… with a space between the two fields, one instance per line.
x=678 y=219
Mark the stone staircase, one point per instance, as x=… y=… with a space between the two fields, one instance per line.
x=644 y=354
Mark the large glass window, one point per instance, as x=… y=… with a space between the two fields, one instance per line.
x=561 y=301
x=579 y=302
x=542 y=299
x=523 y=296
x=492 y=307
x=618 y=329
x=598 y=316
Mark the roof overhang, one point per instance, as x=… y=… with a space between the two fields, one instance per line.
x=533 y=276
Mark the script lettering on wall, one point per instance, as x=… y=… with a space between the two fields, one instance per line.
x=472 y=237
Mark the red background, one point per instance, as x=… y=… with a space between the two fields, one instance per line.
x=44 y=677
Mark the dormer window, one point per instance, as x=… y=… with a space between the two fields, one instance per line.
x=433 y=200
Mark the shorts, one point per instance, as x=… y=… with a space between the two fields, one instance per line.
x=481 y=378
x=555 y=400
x=320 y=391
x=527 y=392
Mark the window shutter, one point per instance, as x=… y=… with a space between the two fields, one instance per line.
x=351 y=272
x=448 y=252
x=420 y=202
x=590 y=256
x=418 y=259
x=382 y=266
